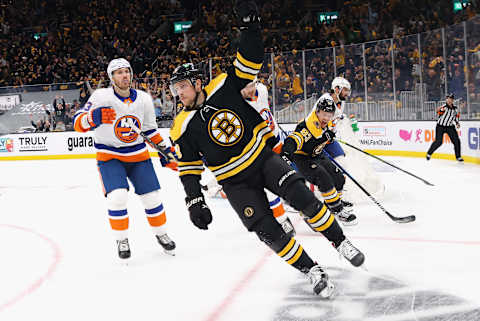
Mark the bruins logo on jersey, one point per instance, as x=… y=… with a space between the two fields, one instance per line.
x=225 y=128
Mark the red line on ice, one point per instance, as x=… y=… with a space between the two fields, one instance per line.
x=37 y=283
x=214 y=315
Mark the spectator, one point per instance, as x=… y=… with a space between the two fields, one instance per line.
x=60 y=111
x=157 y=104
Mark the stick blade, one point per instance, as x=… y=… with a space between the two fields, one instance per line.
x=406 y=219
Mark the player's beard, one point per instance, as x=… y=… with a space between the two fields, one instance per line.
x=123 y=85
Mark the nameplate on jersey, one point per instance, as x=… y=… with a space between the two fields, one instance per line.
x=225 y=127
x=123 y=128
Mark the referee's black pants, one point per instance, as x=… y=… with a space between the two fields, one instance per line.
x=452 y=133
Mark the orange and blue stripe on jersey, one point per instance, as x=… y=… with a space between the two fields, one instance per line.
x=129 y=154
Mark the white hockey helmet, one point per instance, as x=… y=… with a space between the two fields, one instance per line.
x=116 y=64
x=341 y=83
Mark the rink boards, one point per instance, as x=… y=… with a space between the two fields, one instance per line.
x=411 y=139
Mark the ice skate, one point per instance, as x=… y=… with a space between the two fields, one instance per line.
x=346 y=217
x=351 y=253
x=123 y=248
x=166 y=242
x=321 y=284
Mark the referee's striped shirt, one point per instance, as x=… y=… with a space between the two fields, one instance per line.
x=449 y=116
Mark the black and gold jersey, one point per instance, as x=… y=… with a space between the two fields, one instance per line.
x=307 y=137
x=226 y=134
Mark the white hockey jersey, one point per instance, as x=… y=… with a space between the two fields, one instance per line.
x=260 y=103
x=118 y=140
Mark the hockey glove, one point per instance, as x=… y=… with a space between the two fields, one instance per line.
x=200 y=214
x=247 y=13
x=101 y=115
x=171 y=160
x=327 y=136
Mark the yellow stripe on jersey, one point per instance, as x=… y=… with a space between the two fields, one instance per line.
x=238 y=163
x=190 y=168
x=298 y=139
x=180 y=124
x=199 y=162
x=243 y=75
x=299 y=152
x=215 y=84
x=191 y=172
x=248 y=63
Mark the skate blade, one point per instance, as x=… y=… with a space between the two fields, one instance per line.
x=329 y=292
x=352 y=223
x=169 y=252
x=123 y=262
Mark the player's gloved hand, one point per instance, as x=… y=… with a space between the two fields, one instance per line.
x=200 y=214
x=247 y=12
x=101 y=115
x=327 y=136
x=171 y=160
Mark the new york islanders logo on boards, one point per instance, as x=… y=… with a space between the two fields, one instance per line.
x=123 y=128
x=267 y=115
x=225 y=128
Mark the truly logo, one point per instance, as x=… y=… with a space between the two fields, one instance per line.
x=6 y=145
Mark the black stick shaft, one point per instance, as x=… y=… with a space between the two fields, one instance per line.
x=384 y=161
x=394 y=218
x=156 y=146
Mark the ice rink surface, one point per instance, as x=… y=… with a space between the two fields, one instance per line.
x=59 y=260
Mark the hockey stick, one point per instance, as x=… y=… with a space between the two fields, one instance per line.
x=406 y=219
x=378 y=158
x=156 y=146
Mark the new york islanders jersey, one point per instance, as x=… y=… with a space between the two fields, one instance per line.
x=118 y=140
x=260 y=103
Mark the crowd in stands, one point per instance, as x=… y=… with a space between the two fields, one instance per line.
x=75 y=41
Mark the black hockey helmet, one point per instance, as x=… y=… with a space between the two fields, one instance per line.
x=325 y=103
x=182 y=72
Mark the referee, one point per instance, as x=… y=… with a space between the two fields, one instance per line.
x=447 y=115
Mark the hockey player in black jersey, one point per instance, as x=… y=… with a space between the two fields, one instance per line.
x=304 y=147
x=220 y=129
